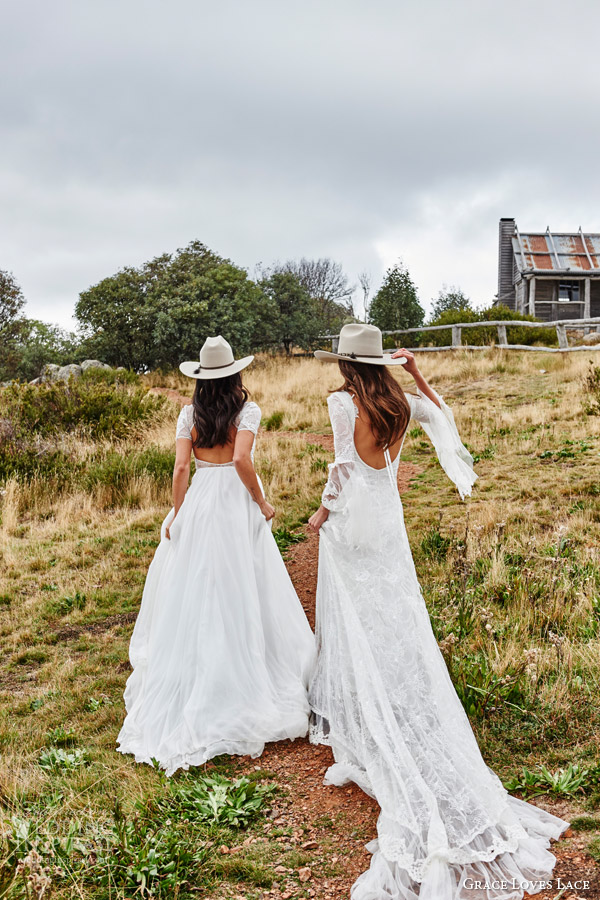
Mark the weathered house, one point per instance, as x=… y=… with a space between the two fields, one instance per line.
x=548 y=275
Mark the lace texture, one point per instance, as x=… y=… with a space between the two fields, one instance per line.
x=381 y=696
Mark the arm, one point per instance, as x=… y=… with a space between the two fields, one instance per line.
x=437 y=421
x=183 y=452
x=341 y=469
x=242 y=460
x=411 y=367
x=181 y=476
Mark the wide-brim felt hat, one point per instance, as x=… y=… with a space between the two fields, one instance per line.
x=360 y=343
x=216 y=361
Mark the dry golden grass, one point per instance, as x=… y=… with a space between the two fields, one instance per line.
x=530 y=551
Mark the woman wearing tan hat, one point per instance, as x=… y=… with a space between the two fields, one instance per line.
x=221 y=650
x=381 y=696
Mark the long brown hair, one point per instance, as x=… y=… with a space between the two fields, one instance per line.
x=217 y=402
x=381 y=397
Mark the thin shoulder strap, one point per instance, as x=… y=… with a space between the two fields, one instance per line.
x=389 y=465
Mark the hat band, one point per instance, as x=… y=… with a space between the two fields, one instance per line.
x=363 y=355
x=226 y=366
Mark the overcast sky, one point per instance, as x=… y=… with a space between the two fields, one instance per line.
x=364 y=131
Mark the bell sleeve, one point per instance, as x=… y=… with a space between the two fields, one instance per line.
x=343 y=439
x=439 y=425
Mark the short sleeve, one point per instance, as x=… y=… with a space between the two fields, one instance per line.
x=185 y=423
x=249 y=417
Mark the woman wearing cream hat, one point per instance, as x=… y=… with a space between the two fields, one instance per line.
x=221 y=650
x=381 y=695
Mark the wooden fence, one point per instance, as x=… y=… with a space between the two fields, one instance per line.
x=561 y=333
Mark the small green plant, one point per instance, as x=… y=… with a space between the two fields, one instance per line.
x=434 y=545
x=284 y=538
x=481 y=690
x=65 y=605
x=585 y=823
x=274 y=421
x=61 y=737
x=318 y=464
x=59 y=760
x=143 y=856
x=221 y=801
x=32 y=657
x=568 y=781
x=93 y=704
x=569 y=450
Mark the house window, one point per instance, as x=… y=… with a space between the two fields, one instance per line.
x=568 y=291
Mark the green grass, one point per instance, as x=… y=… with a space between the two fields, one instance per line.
x=511 y=581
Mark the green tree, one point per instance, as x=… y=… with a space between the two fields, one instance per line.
x=298 y=320
x=447 y=299
x=327 y=284
x=162 y=312
x=396 y=304
x=12 y=302
x=221 y=301
x=39 y=343
x=116 y=317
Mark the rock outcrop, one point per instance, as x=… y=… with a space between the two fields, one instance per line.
x=52 y=372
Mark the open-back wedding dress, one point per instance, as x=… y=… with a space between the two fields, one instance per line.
x=383 y=701
x=222 y=652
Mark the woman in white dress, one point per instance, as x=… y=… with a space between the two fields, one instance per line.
x=381 y=695
x=221 y=651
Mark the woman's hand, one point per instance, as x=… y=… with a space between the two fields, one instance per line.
x=168 y=529
x=410 y=365
x=267 y=510
x=318 y=518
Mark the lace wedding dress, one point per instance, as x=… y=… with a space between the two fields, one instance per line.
x=383 y=701
x=222 y=652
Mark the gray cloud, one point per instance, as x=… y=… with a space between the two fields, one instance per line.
x=365 y=131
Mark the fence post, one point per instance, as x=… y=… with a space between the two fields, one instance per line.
x=335 y=342
x=456 y=336
x=502 y=340
x=561 y=333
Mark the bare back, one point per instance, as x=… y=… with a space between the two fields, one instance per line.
x=365 y=443
x=220 y=453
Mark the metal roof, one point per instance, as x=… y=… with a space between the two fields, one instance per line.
x=572 y=254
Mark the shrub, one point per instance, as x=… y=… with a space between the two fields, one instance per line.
x=273 y=422
x=115 y=470
x=89 y=405
x=482 y=336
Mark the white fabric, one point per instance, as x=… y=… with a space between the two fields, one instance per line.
x=248 y=419
x=383 y=700
x=221 y=651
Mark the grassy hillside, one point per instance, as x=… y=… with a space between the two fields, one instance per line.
x=511 y=579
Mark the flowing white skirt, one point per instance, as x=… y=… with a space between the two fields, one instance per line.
x=222 y=652
x=383 y=701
